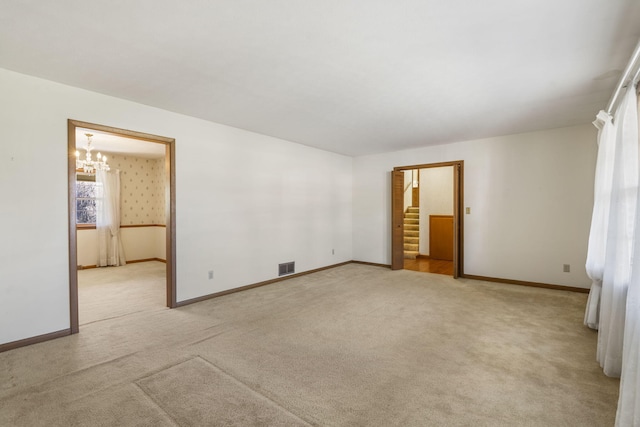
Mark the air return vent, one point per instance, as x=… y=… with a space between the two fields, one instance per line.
x=286 y=268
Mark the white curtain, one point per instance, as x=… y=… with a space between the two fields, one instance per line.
x=600 y=217
x=629 y=401
x=110 y=250
x=620 y=235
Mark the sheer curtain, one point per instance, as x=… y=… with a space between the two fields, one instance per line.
x=620 y=234
x=600 y=217
x=629 y=400
x=110 y=250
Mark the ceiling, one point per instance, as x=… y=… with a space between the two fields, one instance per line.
x=105 y=142
x=353 y=77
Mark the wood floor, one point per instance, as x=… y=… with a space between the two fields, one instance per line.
x=427 y=265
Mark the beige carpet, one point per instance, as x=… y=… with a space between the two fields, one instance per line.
x=109 y=292
x=351 y=346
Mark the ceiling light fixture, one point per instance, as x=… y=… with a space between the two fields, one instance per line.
x=88 y=165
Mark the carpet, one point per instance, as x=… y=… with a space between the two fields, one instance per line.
x=349 y=346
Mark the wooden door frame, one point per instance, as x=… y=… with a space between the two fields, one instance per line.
x=170 y=207
x=397 y=246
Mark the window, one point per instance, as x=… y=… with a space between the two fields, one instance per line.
x=86 y=194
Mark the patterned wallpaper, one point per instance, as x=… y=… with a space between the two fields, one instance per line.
x=142 y=189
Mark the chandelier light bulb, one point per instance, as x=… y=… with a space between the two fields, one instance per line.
x=87 y=165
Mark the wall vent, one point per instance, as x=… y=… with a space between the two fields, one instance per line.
x=286 y=268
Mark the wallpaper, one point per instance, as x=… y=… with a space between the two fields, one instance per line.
x=142 y=189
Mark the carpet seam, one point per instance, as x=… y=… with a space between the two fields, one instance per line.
x=241 y=383
x=155 y=403
x=23 y=389
x=179 y=361
x=205 y=339
x=113 y=317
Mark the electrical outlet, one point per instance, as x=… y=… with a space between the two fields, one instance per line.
x=566 y=268
x=468 y=211
x=333 y=251
x=210 y=274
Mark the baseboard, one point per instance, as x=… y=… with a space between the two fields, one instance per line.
x=93 y=226
x=34 y=340
x=371 y=263
x=133 y=261
x=256 y=285
x=525 y=283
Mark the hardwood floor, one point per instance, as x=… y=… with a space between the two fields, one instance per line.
x=427 y=265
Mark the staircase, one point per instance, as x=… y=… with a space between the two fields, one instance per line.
x=411 y=232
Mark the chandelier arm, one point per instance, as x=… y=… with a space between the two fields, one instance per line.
x=88 y=165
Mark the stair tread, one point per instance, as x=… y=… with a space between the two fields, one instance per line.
x=411 y=254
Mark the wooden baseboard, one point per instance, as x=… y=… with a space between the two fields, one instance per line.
x=142 y=225
x=371 y=263
x=93 y=226
x=525 y=283
x=133 y=261
x=34 y=340
x=256 y=285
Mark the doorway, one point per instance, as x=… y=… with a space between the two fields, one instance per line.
x=168 y=177
x=441 y=238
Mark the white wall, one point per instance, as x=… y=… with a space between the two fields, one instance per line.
x=436 y=198
x=294 y=203
x=408 y=190
x=160 y=242
x=530 y=197
x=87 y=246
x=143 y=242
x=137 y=242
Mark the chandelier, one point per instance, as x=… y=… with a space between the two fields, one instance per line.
x=88 y=165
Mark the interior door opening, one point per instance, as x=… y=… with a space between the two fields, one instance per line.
x=146 y=221
x=427 y=233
